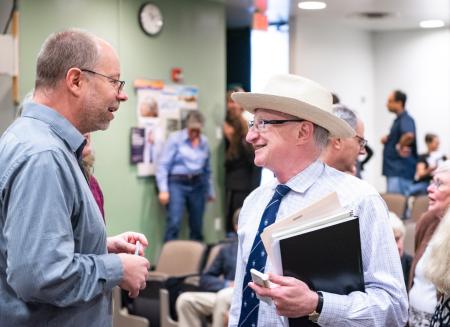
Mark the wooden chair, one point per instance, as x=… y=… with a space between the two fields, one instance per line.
x=395 y=203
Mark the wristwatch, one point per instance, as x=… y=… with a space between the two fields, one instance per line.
x=314 y=316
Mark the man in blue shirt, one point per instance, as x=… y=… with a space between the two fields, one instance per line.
x=400 y=147
x=184 y=177
x=57 y=265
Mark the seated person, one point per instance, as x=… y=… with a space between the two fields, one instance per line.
x=426 y=165
x=399 y=233
x=216 y=286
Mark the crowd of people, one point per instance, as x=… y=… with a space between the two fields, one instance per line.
x=58 y=267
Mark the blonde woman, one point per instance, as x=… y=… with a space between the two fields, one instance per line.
x=438 y=270
x=422 y=293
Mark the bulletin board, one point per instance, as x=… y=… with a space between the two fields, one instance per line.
x=161 y=109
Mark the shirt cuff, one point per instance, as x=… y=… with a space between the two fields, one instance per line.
x=333 y=309
x=112 y=270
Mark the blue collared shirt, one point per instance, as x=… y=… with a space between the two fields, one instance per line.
x=181 y=158
x=393 y=163
x=384 y=302
x=54 y=265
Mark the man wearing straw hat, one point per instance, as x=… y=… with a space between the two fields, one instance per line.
x=291 y=126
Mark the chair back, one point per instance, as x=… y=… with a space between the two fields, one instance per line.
x=395 y=203
x=419 y=207
x=410 y=231
x=180 y=257
x=213 y=252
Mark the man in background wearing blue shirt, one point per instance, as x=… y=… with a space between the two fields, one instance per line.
x=400 y=147
x=57 y=265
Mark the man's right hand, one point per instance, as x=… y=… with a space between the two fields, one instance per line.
x=135 y=271
x=164 y=198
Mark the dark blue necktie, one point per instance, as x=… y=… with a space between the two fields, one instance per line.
x=257 y=260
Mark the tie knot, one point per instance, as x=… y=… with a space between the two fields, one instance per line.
x=282 y=190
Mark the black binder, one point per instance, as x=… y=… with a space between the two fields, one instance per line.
x=327 y=259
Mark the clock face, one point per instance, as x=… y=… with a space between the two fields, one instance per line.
x=150 y=19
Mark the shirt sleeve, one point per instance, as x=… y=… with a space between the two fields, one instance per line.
x=165 y=164
x=407 y=125
x=384 y=302
x=42 y=265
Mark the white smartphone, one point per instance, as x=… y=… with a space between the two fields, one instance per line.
x=260 y=278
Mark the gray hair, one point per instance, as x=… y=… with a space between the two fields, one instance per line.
x=321 y=136
x=62 y=51
x=346 y=114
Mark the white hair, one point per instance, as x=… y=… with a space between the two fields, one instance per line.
x=396 y=224
x=437 y=265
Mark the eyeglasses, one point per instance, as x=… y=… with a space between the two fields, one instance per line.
x=117 y=83
x=436 y=182
x=260 y=124
x=362 y=141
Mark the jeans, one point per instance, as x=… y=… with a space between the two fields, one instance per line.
x=397 y=184
x=189 y=194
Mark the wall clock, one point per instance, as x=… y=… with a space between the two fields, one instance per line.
x=150 y=19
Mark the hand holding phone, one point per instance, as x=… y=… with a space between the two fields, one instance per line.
x=262 y=280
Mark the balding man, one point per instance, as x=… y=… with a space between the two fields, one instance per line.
x=57 y=266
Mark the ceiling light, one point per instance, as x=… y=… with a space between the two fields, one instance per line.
x=312 y=5
x=431 y=23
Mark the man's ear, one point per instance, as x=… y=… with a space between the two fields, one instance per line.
x=74 y=81
x=305 y=132
x=336 y=143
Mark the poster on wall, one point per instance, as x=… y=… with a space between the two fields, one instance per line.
x=160 y=110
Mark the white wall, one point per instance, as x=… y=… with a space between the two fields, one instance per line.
x=417 y=62
x=362 y=67
x=341 y=59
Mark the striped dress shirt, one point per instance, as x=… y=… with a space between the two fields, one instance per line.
x=384 y=303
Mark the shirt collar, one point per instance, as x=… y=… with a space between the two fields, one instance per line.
x=301 y=182
x=60 y=125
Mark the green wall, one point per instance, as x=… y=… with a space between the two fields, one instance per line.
x=193 y=37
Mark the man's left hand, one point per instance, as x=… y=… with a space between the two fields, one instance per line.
x=291 y=297
x=126 y=243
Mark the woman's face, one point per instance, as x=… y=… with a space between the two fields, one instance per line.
x=439 y=193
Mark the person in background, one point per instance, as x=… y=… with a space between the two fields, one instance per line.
x=87 y=163
x=292 y=122
x=422 y=293
x=426 y=164
x=400 y=147
x=241 y=174
x=398 y=227
x=437 y=270
x=57 y=265
x=216 y=289
x=342 y=153
x=184 y=178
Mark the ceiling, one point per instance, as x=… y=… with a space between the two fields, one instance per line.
x=403 y=14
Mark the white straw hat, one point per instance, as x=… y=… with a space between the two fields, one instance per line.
x=296 y=96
